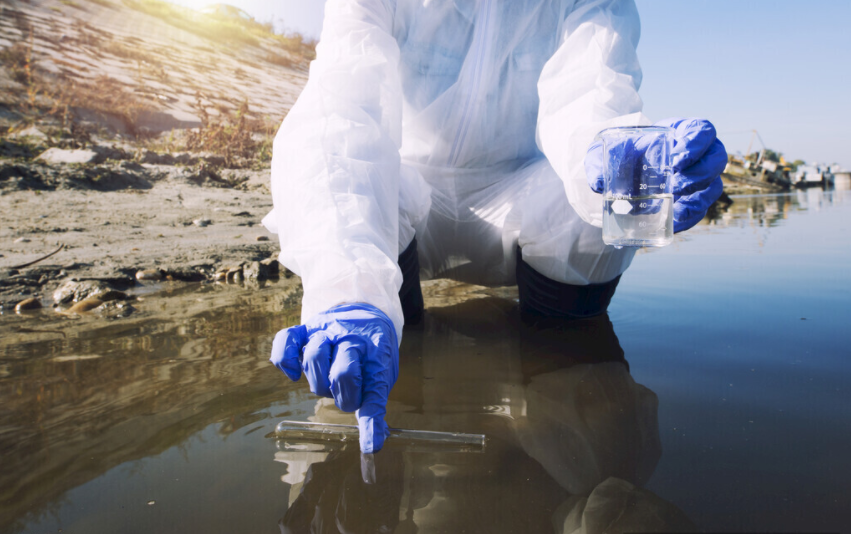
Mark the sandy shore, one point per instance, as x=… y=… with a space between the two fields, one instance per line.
x=174 y=225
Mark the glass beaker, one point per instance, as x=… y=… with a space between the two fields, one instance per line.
x=638 y=205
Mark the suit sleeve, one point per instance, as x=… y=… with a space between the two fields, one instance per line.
x=589 y=84
x=336 y=165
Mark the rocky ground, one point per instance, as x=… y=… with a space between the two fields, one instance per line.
x=125 y=223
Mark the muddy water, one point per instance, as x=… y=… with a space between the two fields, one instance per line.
x=714 y=396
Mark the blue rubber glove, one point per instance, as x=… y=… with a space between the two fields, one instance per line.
x=348 y=353
x=697 y=158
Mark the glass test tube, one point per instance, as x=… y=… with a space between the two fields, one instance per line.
x=418 y=439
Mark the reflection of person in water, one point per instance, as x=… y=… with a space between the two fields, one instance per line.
x=576 y=443
x=595 y=430
x=348 y=492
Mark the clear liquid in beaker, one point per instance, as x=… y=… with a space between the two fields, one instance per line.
x=645 y=221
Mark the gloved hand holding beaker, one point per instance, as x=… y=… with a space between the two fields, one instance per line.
x=348 y=353
x=697 y=159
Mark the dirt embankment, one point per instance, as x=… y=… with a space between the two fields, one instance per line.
x=135 y=136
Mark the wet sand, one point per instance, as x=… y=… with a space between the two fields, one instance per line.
x=116 y=234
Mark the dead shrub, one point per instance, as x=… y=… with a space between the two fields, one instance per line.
x=15 y=59
x=118 y=49
x=19 y=60
x=280 y=60
x=106 y=95
x=227 y=135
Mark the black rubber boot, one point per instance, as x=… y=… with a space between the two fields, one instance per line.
x=542 y=296
x=411 y=294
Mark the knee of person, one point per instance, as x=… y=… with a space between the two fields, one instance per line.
x=543 y=296
x=410 y=294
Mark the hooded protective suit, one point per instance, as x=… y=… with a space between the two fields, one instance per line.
x=464 y=122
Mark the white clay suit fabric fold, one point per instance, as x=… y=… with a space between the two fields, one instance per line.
x=464 y=122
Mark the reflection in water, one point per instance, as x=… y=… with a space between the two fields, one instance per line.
x=770 y=210
x=336 y=498
x=93 y=417
x=145 y=385
x=572 y=437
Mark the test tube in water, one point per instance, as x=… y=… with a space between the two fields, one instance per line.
x=417 y=440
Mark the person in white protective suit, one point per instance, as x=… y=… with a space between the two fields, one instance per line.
x=450 y=136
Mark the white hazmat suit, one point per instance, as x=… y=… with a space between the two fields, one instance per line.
x=464 y=123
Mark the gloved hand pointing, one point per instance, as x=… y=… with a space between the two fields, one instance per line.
x=697 y=158
x=348 y=353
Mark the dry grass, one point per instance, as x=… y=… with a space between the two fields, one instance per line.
x=281 y=60
x=210 y=27
x=240 y=140
x=87 y=35
x=19 y=60
x=56 y=99
x=15 y=59
x=107 y=96
x=47 y=96
x=228 y=135
x=118 y=49
x=225 y=29
x=295 y=42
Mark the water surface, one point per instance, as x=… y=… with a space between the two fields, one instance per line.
x=713 y=396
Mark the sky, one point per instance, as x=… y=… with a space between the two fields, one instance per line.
x=780 y=67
